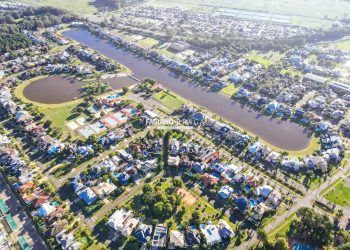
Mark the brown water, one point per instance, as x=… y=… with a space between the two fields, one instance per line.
x=283 y=134
x=60 y=89
x=54 y=89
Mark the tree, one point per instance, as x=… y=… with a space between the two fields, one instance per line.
x=177 y=182
x=262 y=236
x=281 y=243
x=125 y=90
x=339 y=214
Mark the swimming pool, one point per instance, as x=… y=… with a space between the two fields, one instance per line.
x=301 y=246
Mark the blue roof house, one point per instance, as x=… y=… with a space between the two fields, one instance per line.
x=143 y=233
x=225 y=191
x=255 y=147
x=88 y=196
x=271 y=107
x=241 y=203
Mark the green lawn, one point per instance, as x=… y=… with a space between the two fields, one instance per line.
x=260 y=59
x=339 y=193
x=344 y=45
x=76 y=6
x=282 y=228
x=229 y=90
x=148 y=42
x=169 y=100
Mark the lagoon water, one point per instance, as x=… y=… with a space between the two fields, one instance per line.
x=284 y=134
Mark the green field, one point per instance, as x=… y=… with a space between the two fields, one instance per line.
x=148 y=42
x=76 y=6
x=282 y=228
x=263 y=60
x=169 y=100
x=339 y=193
x=229 y=90
x=343 y=45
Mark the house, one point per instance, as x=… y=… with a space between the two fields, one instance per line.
x=209 y=180
x=118 y=218
x=211 y=233
x=199 y=167
x=67 y=241
x=315 y=78
x=264 y=191
x=274 y=199
x=176 y=239
x=242 y=203
x=316 y=162
x=193 y=236
x=253 y=181
x=104 y=189
x=56 y=228
x=225 y=191
x=129 y=225
x=88 y=196
x=255 y=147
x=143 y=233
x=291 y=163
x=160 y=236
x=125 y=155
x=173 y=161
x=45 y=210
x=179 y=46
x=340 y=87
x=225 y=231
x=258 y=213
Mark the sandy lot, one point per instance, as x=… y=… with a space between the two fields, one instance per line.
x=188 y=198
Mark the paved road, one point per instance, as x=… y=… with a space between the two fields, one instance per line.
x=25 y=225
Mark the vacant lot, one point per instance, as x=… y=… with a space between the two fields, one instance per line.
x=339 y=193
x=169 y=100
x=188 y=198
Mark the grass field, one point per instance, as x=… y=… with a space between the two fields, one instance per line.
x=281 y=229
x=169 y=100
x=75 y=6
x=339 y=193
x=343 y=45
x=148 y=42
x=229 y=90
x=260 y=59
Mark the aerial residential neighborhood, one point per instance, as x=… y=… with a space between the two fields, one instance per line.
x=149 y=124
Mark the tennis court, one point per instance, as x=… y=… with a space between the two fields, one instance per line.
x=86 y=131
x=119 y=117
x=97 y=127
x=23 y=243
x=109 y=121
x=3 y=207
x=11 y=222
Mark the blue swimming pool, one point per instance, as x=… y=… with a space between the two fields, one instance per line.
x=301 y=246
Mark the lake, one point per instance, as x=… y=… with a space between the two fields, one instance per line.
x=283 y=134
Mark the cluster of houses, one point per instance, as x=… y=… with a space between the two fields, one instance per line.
x=12 y=6
x=43 y=206
x=332 y=147
x=26 y=62
x=245 y=189
x=123 y=222
x=202 y=24
x=93 y=58
x=300 y=60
